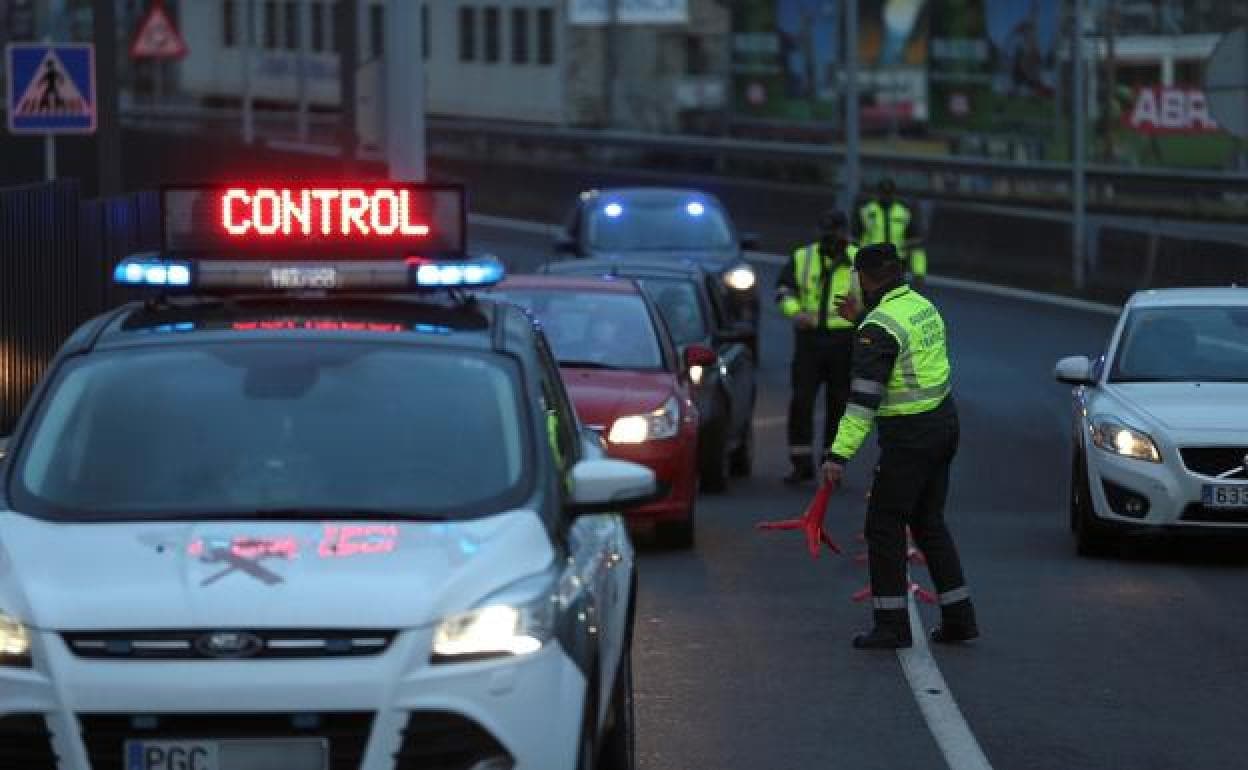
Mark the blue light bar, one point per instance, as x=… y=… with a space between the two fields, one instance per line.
x=485 y=272
x=613 y=210
x=695 y=208
x=152 y=271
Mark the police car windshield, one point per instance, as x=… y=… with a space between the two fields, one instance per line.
x=680 y=307
x=594 y=329
x=1183 y=344
x=675 y=224
x=212 y=430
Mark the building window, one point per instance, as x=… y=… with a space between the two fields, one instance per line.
x=317 y=43
x=425 y=35
x=229 y=18
x=270 y=24
x=291 y=28
x=467 y=34
x=491 y=35
x=377 y=30
x=546 y=36
x=520 y=35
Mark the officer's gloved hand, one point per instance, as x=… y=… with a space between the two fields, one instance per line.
x=847 y=307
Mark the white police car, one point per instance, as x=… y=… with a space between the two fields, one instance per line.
x=312 y=515
x=1160 y=421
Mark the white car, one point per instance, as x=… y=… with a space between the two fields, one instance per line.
x=325 y=532
x=1161 y=420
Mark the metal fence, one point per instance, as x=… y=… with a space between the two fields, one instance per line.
x=56 y=255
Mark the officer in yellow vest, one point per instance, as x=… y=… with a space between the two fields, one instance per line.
x=888 y=220
x=901 y=384
x=816 y=280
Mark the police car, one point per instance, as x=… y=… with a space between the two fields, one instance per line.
x=308 y=506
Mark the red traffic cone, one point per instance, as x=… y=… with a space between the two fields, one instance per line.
x=811 y=522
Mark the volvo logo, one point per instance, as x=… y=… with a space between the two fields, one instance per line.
x=229 y=644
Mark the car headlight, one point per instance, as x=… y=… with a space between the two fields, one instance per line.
x=741 y=278
x=663 y=422
x=498 y=629
x=695 y=374
x=1113 y=436
x=14 y=642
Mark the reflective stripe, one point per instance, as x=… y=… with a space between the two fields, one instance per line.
x=867 y=387
x=892 y=398
x=806 y=267
x=955 y=596
x=859 y=411
x=889 y=602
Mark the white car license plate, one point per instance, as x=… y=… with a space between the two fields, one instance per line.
x=1225 y=496
x=275 y=754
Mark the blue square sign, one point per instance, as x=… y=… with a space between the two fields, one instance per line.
x=51 y=88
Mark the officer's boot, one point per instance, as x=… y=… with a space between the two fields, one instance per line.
x=957 y=623
x=892 y=631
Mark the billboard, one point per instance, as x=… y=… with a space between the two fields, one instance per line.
x=788 y=55
x=992 y=67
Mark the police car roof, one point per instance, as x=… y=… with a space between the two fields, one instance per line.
x=1191 y=297
x=468 y=323
x=652 y=194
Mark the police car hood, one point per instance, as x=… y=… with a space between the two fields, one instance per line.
x=290 y=574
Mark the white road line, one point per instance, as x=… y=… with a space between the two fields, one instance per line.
x=1007 y=292
x=944 y=719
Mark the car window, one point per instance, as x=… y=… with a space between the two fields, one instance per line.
x=594 y=329
x=561 y=425
x=673 y=224
x=1183 y=344
x=680 y=306
x=244 y=428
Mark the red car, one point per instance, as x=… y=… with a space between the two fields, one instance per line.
x=623 y=374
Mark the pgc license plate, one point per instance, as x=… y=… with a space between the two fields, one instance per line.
x=276 y=754
x=1225 y=496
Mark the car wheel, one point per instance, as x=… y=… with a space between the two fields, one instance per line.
x=619 y=744
x=741 y=461
x=1091 y=537
x=678 y=534
x=713 y=470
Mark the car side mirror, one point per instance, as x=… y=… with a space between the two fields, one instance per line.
x=749 y=241
x=700 y=355
x=739 y=332
x=611 y=486
x=1075 y=370
x=565 y=244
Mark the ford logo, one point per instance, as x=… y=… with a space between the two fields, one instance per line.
x=229 y=644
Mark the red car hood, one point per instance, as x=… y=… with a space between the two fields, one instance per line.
x=601 y=395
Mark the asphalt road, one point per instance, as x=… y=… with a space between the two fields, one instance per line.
x=742 y=648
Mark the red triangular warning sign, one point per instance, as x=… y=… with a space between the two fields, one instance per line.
x=157 y=37
x=51 y=91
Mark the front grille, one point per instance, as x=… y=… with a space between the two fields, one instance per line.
x=198 y=645
x=1207 y=515
x=105 y=735
x=437 y=740
x=1217 y=461
x=26 y=743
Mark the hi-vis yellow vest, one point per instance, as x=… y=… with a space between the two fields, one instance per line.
x=920 y=378
x=808 y=267
x=879 y=226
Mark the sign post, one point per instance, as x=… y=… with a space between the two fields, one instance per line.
x=51 y=90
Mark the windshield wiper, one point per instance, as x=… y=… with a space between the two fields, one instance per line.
x=587 y=364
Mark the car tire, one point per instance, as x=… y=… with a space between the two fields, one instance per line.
x=741 y=461
x=1092 y=539
x=619 y=750
x=679 y=535
x=712 y=457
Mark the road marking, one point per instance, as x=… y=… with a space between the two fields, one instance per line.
x=991 y=289
x=944 y=719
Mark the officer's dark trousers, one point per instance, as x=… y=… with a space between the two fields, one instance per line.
x=820 y=358
x=910 y=486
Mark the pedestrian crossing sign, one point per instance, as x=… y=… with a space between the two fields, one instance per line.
x=51 y=88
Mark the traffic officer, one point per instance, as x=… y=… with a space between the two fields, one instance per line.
x=901 y=377
x=816 y=280
x=887 y=220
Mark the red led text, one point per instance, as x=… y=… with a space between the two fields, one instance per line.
x=338 y=212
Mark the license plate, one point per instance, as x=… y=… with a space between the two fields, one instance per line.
x=296 y=277
x=276 y=754
x=1225 y=496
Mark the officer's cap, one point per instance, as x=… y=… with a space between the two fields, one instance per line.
x=874 y=259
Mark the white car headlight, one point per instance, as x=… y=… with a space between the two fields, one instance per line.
x=495 y=630
x=14 y=642
x=741 y=278
x=1112 y=436
x=663 y=422
x=695 y=374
